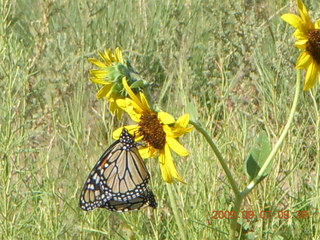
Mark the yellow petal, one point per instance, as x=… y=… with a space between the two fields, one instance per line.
x=97 y=62
x=303 y=60
x=145 y=152
x=169 y=170
x=312 y=73
x=169 y=131
x=131 y=129
x=118 y=55
x=137 y=108
x=317 y=24
x=144 y=102
x=131 y=93
x=176 y=146
x=137 y=137
x=119 y=113
x=113 y=107
x=110 y=93
x=304 y=15
x=104 y=91
x=133 y=114
x=165 y=118
x=121 y=103
x=105 y=55
x=99 y=81
x=293 y=20
x=165 y=173
x=97 y=73
x=140 y=106
x=300 y=35
x=175 y=132
x=116 y=133
x=127 y=105
x=301 y=44
x=183 y=121
x=113 y=99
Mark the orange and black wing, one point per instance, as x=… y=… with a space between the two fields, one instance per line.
x=119 y=180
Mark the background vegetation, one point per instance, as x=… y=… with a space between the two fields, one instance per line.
x=234 y=59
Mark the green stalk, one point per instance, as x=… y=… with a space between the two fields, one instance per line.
x=254 y=182
x=276 y=147
x=177 y=216
x=234 y=221
x=219 y=156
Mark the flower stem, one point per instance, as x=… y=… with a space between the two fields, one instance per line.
x=255 y=181
x=175 y=212
x=277 y=146
x=234 y=221
x=219 y=156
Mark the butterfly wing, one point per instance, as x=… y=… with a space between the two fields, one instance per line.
x=119 y=180
x=145 y=199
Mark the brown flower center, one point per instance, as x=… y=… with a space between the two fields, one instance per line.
x=313 y=46
x=152 y=130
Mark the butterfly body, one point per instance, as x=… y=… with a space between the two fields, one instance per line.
x=118 y=182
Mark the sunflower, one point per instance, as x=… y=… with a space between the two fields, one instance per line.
x=308 y=40
x=158 y=130
x=111 y=70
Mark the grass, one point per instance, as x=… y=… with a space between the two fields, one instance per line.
x=233 y=59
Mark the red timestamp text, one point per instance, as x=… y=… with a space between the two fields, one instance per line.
x=224 y=215
x=283 y=214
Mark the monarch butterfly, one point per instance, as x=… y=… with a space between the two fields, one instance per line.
x=118 y=181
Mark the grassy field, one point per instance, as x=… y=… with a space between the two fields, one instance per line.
x=234 y=59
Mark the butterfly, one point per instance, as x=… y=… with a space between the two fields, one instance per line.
x=118 y=181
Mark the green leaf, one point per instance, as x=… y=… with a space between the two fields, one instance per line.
x=192 y=111
x=137 y=84
x=257 y=157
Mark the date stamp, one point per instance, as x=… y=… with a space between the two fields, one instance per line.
x=283 y=214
